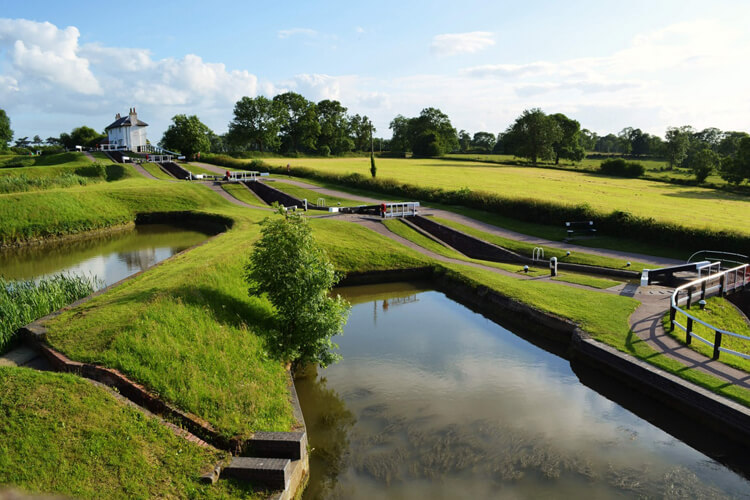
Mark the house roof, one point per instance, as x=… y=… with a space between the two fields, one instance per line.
x=125 y=121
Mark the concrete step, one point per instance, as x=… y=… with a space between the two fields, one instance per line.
x=291 y=445
x=271 y=473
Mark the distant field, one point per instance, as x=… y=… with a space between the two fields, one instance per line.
x=686 y=205
x=655 y=169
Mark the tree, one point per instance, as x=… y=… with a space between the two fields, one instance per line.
x=706 y=160
x=431 y=133
x=373 y=168
x=22 y=142
x=188 y=135
x=730 y=142
x=6 y=134
x=293 y=271
x=334 y=127
x=53 y=141
x=81 y=136
x=298 y=121
x=735 y=169
x=588 y=139
x=464 y=141
x=360 y=128
x=255 y=124
x=36 y=141
x=532 y=135
x=483 y=141
x=400 y=141
x=568 y=146
x=678 y=140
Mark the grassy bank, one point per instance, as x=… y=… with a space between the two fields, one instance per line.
x=85 y=208
x=156 y=171
x=61 y=434
x=313 y=196
x=242 y=193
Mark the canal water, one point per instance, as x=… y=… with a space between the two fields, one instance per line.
x=435 y=401
x=109 y=257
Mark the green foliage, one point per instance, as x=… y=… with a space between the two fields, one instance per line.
x=298 y=121
x=294 y=272
x=22 y=302
x=373 y=168
x=678 y=141
x=188 y=135
x=704 y=163
x=22 y=182
x=334 y=128
x=427 y=135
x=6 y=134
x=255 y=124
x=735 y=169
x=568 y=146
x=82 y=136
x=621 y=168
x=533 y=136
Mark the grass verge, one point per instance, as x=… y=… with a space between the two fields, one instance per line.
x=313 y=196
x=156 y=171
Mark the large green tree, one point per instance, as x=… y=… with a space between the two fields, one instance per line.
x=188 y=135
x=82 y=136
x=293 y=271
x=400 y=129
x=255 y=124
x=298 y=121
x=6 y=134
x=334 y=128
x=360 y=130
x=533 y=136
x=432 y=134
x=568 y=146
x=483 y=141
x=735 y=169
x=677 y=144
x=704 y=163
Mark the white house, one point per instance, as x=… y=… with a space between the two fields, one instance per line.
x=127 y=132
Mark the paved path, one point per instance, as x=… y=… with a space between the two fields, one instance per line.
x=216 y=187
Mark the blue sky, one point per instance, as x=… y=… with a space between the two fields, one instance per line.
x=608 y=64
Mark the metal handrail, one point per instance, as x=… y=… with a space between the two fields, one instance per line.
x=717 y=252
x=723 y=288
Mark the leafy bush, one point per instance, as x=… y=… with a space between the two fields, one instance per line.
x=22 y=302
x=291 y=268
x=20 y=151
x=621 y=168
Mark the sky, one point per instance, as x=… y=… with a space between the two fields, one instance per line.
x=608 y=64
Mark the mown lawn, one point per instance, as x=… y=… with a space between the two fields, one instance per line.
x=156 y=171
x=62 y=434
x=313 y=196
x=686 y=205
x=242 y=193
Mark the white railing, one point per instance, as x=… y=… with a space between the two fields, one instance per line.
x=242 y=175
x=110 y=147
x=538 y=253
x=731 y=280
x=159 y=158
x=403 y=209
x=150 y=148
x=321 y=202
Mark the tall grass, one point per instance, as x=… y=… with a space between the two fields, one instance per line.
x=22 y=302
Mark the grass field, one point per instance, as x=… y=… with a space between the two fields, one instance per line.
x=685 y=205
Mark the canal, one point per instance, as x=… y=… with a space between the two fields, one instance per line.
x=433 y=400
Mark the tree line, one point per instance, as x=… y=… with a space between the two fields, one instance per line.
x=289 y=123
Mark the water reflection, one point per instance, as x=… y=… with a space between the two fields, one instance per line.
x=109 y=257
x=438 y=402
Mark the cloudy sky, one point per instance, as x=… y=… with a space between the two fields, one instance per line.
x=609 y=64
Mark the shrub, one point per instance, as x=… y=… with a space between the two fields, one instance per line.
x=325 y=150
x=621 y=168
x=20 y=151
x=18 y=162
x=289 y=266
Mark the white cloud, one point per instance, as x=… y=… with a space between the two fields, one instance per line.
x=450 y=44
x=297 y=32
x=359 y=29
x=45 y=52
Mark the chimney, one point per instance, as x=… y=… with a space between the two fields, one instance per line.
x=118 y=116
x=132 y=112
